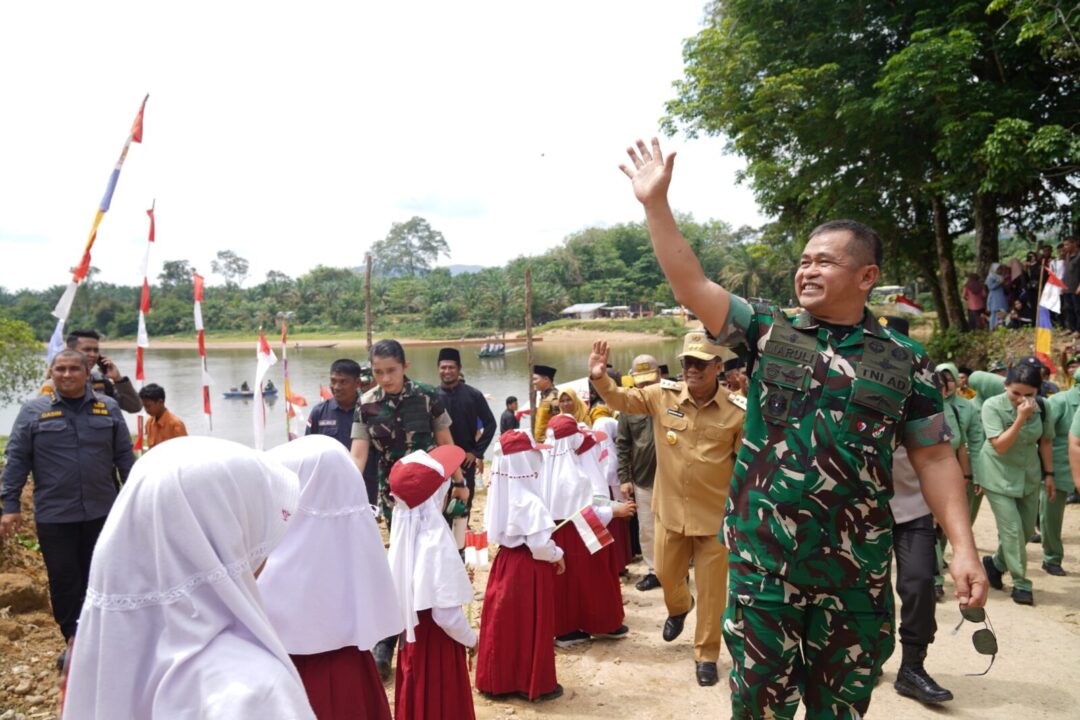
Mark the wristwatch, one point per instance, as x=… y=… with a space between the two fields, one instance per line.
x=458 y=484
x=1048 y=474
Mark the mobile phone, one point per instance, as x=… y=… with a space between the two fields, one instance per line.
x=101 y=364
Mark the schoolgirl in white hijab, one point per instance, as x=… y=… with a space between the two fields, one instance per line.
x=516 y=655
x=327 y=587
x=432 y=586
x=173 y=626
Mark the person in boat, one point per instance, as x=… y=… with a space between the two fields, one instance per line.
x=244 y=387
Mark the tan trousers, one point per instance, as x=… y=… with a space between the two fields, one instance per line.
x=673 y=553
x=646 y=526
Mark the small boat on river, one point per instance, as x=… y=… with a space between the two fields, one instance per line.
x=246 y=393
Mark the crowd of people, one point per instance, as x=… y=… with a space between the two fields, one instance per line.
x=1009 y=295
x=792 y=461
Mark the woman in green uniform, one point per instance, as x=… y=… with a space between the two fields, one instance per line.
x=1052 y=501
x=1019 y=430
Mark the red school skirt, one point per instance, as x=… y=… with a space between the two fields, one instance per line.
x=432 y=680
x=588 y=596
x=343 y=684
x=517 y=626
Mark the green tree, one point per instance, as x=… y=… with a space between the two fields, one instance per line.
x=410 y=248
x=231 y=267
x=21 y=361
x=176 y=275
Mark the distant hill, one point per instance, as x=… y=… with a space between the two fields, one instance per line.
x=462 y=269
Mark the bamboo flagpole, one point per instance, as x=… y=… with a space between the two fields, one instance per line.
x=206 y=381
x=367 y=299
x=529 y=345
x=143 y=341
x=79 y=273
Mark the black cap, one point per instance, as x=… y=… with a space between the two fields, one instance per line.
x=664 y=370
x=544 y=370
x=449 y=353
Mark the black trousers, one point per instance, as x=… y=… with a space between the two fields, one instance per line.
x=67 y=549
x=916 y=565
x=1069 y=310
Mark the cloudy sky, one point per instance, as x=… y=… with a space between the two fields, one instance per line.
x=296 y=133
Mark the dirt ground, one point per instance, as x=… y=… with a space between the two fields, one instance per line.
x=643 y=677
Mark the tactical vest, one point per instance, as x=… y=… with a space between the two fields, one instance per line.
x=884 y=377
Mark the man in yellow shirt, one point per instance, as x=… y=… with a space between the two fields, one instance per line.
x=163 y=425
x=697 y=429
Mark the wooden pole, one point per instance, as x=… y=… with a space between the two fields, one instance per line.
x=367 y=299
x=529 y=345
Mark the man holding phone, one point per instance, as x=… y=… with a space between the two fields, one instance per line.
x=105 y=377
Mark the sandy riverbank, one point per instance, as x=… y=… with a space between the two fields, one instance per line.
x=559 y=335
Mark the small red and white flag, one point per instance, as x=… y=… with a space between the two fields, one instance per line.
x=1051 y=292
x=909 y=307
x=324 y=393
x=592 y=531
x=265 y=358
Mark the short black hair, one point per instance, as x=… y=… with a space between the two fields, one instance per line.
x=388 y=349
x=963 y=370
x=345 y=366
x=1026 y=372
x=65 y=354
x=510 y=401
x=866 y=242
x=152 y=391
x=73 y=337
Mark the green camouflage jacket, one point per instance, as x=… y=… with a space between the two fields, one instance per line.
x=397 y=425
x=809 y=499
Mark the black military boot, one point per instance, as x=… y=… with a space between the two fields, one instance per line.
x=913 y=681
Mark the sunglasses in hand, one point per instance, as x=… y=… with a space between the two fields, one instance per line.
x=984 y=639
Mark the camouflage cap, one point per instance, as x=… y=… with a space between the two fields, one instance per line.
x=366 y=375
x=997 y=366
x=697 y=345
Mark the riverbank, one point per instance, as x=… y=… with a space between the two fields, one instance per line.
x=580 y=331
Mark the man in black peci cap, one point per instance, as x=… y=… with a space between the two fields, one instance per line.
x=469 y=412
x=548 y=406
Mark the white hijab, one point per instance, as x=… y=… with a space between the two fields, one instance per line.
x=328 y=584
x=173 y=626
x=428 y=572
x=566 y=488
x=514 y=508
x=609 y=457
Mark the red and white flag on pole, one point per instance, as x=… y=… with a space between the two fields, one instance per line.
x=265 y=360
x=1051 y=292
x=908 y=307
x=206 y=381
x=592 y=530
x=143 y=341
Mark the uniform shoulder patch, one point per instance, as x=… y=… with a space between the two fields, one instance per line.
x=737 y=400
x=668 y=384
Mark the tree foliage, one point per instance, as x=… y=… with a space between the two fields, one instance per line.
x=21 y=361
x=410 y=248
x=925 y=120
x=231 y=267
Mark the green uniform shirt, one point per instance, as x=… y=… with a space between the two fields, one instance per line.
x=1017 y=471
x=397 y=425
x=1063 y=405
x=964 y=420
x=809 y=499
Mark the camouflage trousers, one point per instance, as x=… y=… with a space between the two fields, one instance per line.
x=788 y=645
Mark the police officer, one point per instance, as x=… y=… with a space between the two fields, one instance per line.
x=75 y=442
x=105 y=377
x=697 y=429
x=810 y=534
x=548 y=406
x=334 y=416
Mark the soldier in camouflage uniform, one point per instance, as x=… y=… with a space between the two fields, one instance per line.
x=397 y=417
x=808 y=524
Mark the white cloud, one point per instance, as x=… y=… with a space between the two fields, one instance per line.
x=295 y=134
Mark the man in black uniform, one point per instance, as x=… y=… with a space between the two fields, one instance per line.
x=509 y=419
x=334 y=417
x=469 y=411
x=75 y=442
x=105 y=377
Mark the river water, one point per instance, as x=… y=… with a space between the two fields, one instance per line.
x=178 y=371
